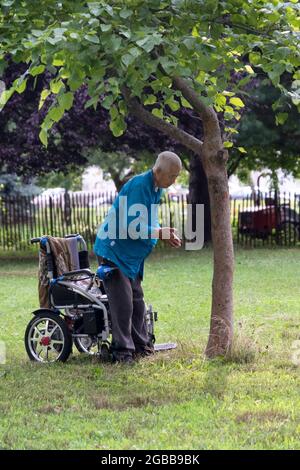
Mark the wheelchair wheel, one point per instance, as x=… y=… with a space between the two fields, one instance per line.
x=48 y=339
x=86 y=345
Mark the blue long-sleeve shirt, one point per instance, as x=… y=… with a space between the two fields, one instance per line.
x=121 y=248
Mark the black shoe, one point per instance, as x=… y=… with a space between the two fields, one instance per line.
x=147 y=351
x=123 y=359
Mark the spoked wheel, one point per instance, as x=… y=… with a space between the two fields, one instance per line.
x=87 y=345
x=48 y=339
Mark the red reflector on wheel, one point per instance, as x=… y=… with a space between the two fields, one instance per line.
x=45 y=341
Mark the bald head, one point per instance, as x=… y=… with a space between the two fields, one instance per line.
x=166 y=169
x=167 y=161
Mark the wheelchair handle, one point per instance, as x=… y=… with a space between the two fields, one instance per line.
x=71 y=235
x=35 y=240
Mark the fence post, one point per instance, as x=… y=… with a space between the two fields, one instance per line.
x=51 y=214
x=67 y=211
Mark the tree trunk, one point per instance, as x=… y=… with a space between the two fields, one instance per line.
x=198 y=194
x=214 y=159
x=119 y=183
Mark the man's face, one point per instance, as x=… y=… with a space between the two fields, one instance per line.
x=165 y=179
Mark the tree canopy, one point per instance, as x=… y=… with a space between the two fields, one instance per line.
x=150 y=59
x=138 y=49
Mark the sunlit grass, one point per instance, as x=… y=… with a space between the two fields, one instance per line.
x=176 y=399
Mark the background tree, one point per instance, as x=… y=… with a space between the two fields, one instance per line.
x=82 y=136
x=184 y=51
x=73 y=142
x=271 y=139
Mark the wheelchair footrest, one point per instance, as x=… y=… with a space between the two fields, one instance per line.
x=165 y=346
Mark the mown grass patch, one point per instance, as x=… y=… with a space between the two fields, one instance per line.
x=175 y=399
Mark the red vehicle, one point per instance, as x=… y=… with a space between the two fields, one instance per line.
x=271 y=219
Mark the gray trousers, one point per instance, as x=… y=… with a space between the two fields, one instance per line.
x=127 y=311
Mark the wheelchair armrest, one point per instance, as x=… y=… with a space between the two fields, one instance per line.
x=79 y=271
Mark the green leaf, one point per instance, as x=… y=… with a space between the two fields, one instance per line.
x=95 y=8
x=59 y=32
x=19 y=84
x=56 y=113
x=7 y=3
x=255 y=58
x=115 y=43
x=105 y=27
x=43 y=135
x=227 y=144
x=94 y=22
x=135 y=51
x=92 y=102
x=158 y=112
x=54 y=41
x=296 y=75
x=150 y=99
x=229 y=109
x=91 y=38
x=174 y=105
x=220 y=100
x=127 y=59
x=189 y=43
x=125 y=13
x=44 y=96
x=58 y=62
x=74 y=36
x=281 y=118
x=117 y=126
x=242 y=150
x=231 y=130
x=107 y=102
x=237 y=102
x=37 y=33
x=227 y=93
x=5 y=96
x=201 y=77
x=114 y=113
x=37 y=70
x=149 y=42
x=167 y=63
x=66 y=100
x=55 y=86
x=122 y=107
x=185 y=103
x=74 y=84
x=249 y=69
x=19 y=89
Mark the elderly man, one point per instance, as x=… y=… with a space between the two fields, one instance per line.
x=127 y=252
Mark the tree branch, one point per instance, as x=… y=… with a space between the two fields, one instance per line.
x=233 y=165
x=136 y=109
x=211 y=126
x=192 y=97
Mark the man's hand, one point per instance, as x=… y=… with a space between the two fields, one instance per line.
x=169 y=234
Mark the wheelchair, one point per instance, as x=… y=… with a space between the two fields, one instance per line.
x=78 y=312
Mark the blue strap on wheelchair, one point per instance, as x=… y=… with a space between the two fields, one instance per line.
x=104 y=271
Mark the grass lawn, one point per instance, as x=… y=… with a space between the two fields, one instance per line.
x=176 y=399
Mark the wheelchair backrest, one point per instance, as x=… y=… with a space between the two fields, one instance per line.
x=63 y=254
